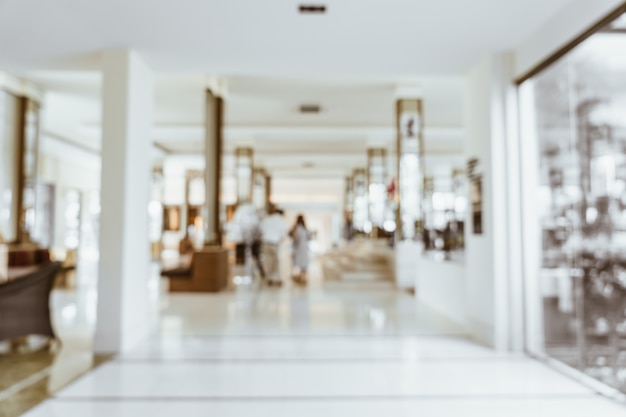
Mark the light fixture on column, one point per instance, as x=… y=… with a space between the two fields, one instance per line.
x=410 y=167
x=360 y=217
x=259 y=188
x=310 y=108
x=377 y=187
x=348 y=197
x=195 y=200
x=243 y=166
x=268 y=191
x=28 y=146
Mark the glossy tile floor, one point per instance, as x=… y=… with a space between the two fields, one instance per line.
x=311 y=352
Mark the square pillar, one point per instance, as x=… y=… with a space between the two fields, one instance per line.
x=125 y=312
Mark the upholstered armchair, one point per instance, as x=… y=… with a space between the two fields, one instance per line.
x=25 y=304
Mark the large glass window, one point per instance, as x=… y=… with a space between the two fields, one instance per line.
x=575 y=112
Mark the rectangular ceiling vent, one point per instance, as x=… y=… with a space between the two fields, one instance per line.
x=310 y=108
x=312 y=8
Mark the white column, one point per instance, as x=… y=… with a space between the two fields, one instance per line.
x=125 y=313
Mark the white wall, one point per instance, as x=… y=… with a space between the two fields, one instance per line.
x=441 y=286
x=490 y=110
x=472 y=293
x=572 y=21
x=466 y=292
x=20 y=87
x=479 y=248
x=67 y=167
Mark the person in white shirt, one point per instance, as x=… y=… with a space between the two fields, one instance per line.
x=273 y=231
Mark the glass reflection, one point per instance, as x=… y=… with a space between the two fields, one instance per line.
x=579 y=104
x=9 y=109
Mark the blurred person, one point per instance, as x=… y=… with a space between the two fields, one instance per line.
x=273 y=231
x=255 y=249
x=300 y=238
x=348 y=228
x=244 y=230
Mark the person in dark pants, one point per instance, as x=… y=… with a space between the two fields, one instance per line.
x=247 y=235
x=255 y=249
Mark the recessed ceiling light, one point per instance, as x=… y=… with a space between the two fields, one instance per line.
x=310 y=108
x=312 y=8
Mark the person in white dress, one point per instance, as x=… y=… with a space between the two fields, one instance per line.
x=300 y=237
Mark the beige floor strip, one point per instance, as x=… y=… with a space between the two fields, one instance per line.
x=25 y=383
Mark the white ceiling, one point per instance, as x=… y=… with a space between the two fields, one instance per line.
x=312 y=150
x=269 y=37
x=350 y=61
x=263 y=113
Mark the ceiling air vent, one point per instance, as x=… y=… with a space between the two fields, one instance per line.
x=312 y=8
x=309 y=108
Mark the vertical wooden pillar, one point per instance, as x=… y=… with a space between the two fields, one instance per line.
x=268 y=192
x=214 y=138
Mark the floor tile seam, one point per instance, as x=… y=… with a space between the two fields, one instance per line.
x=132 y=361
x=300 y=336
x=331 y=398
x=580 y=377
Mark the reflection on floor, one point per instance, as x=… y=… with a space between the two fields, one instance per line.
x=313 y=351
x=34 y=372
